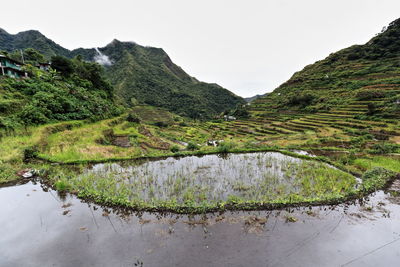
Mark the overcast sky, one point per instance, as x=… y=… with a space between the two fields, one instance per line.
x=248 y=46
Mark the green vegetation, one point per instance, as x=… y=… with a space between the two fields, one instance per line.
x=384 y=148
x=155 y=80
x=390 y=163
x=7 y=173
x=140 y=75
x=80 y=93
x=225 y=147
x=182 y=195
x=81 y=142
x=30 y=39
x=192 y=146
x=359 y=76
x=344 y=109
x=188 y=184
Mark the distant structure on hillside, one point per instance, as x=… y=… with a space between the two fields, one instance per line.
x=44 y=66
x=229 y=118
x=10 y=67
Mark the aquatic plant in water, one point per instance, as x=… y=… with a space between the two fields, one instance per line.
x=264 y=176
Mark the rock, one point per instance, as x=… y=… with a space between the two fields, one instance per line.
x=26 y=173
x=22 y=172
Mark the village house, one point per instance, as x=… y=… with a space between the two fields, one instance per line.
x=229 y=118
x=10 y=67
x=44 y=66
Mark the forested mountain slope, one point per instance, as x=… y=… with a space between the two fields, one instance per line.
x=144 y=75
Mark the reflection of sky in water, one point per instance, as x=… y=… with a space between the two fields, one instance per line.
x=34 y=232
x=249 y=175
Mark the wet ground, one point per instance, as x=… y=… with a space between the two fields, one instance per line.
x=39 y=228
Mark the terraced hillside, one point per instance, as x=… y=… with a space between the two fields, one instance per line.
x=355 y=145
x=343 y=110
x=349 y=100
x=361 y=80
x=160 y=132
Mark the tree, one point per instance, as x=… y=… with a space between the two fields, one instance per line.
x=371 y=109
x=241 y=112
x=92 y=72
x=33 y=56
x=62 y=65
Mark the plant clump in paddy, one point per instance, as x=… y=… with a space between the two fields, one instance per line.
x=7 y=172
x=208 y=181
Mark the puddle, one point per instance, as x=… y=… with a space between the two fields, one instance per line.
x=37 y=230
x=214 y=178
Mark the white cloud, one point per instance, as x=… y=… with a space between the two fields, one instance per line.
x=102 y=59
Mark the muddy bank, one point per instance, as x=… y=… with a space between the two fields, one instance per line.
x=41 y=229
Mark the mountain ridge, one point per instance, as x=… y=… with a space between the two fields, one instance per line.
x=144 y=75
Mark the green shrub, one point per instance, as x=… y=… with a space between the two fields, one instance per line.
x=61 y=186
x=225 y=147
x=161 y=124
x=7 y=173
x=192 y=146
x=369 y=94
x=241 y=112
x=30 y=153
x=302 y=99
x=348 y=158
x=361 y=140
x=377 y=173
x=133 y=117
x=384 y=148
x=174 y=149
x=361 y=117
x=371 y=109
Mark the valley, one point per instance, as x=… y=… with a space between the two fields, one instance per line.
x=137 y=147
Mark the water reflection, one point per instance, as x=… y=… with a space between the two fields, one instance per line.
x=36 y=232
x=251 y=176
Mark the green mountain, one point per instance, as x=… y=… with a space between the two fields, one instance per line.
x=30 y=39
x=147 y=75
x=252 y=98
x=368 y=74
x=144 y=75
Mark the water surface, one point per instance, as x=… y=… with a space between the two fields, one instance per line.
x=39 y=228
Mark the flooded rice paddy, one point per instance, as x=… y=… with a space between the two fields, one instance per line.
x=261 y=176
x=41 y=228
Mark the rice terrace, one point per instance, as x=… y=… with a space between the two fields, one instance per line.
x=115 y=156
